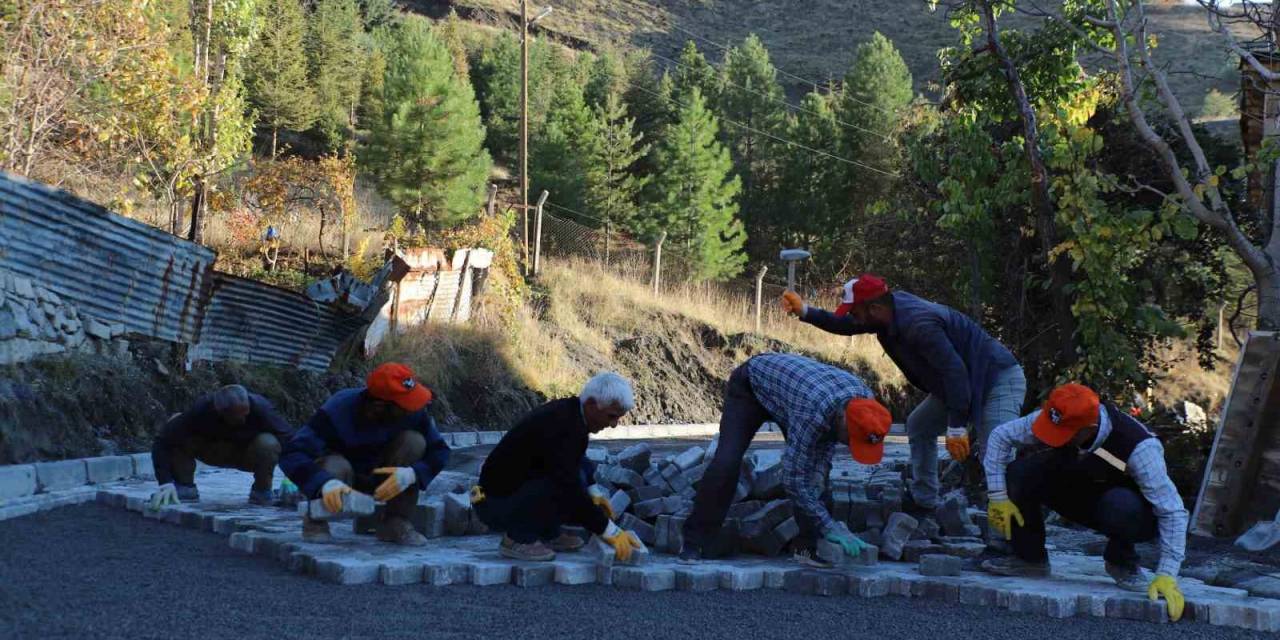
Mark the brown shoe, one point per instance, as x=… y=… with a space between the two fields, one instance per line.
x=566 y=543
x=315 y=530
x=400 y=531
x=533 y=551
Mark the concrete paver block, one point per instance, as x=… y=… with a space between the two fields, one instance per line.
x=61 y=474
x=650 y=508
x=979 y=595
x=1136 y=607
x=354 y=505
x=143 y=467
x=623 y=477
x=438 y=573
x=897 y=531
x=574 y=573
x=776 y=577
x=597 y=455
x=953 y=515
x=690 y=458
x=642 y=529
x=873 y=586
x=619 y=502
x=428 y=518
x=17 y=481
x=940 y=565
x=347 y=570
x=484 y=574
x=647 y=492
x=913 y=550
x=108 y=469
x=533 y=575
x=742 y=578
x=697 y=579
x=635 y=458
x=400 y=572
x=457 y=513
x=830 y=553
x=644 y=578
x=964 y=549
x=464 y=439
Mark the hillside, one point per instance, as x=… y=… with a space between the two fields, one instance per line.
x=815 y=40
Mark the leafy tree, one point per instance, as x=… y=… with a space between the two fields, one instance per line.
x=277 y=79
x=335 y=52
x=426 y=148
x=752 y=103
x=612 y=187
x=692 y=197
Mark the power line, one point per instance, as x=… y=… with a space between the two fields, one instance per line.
x=779 y=139
x=779 y=69
x=797 y=107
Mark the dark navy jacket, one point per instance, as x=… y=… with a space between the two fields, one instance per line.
x=939 y=350
x=333 y=429
x=203 y=421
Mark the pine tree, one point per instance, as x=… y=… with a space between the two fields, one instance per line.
x=695 y=72
x=810 y=183
x=497 y=77
x=692 y=195
x=606 y=76
x=333 y=47
x=277 y=83
x=426 y=150
x=752 y=99
x=558 y=156
x=612 y=187
x=876 y=93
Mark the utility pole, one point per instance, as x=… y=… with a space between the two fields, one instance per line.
x=524 y=126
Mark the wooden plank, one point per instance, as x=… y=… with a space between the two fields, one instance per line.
x=1247 y=429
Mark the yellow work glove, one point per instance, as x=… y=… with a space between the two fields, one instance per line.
x=1167 y=587
x=1000 y=516
x=958 y=443
x=622 y=541
x=599 y=499
x=792 y=303
x=398 y=479
x=332 y=493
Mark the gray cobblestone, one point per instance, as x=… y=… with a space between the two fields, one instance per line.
x=533 y=575
x=484 y=574
x=697 y=579
x=347 y=571
x=644 y=578
x=446 y=573
x=575 y=573
x=940 y=565
x=742 y=578
x=399 y=573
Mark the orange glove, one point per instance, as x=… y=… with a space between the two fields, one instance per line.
x=332 y=492
x=622 y=541
x=958 y=443
x=398 y=479
x=792 y=303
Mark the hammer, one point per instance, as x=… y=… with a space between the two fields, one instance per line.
x=791 y=257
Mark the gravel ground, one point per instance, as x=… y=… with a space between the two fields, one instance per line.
x=97 y=572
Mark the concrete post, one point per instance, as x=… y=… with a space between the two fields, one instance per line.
x=537 y=235
x=657 y=262
x=760 y=295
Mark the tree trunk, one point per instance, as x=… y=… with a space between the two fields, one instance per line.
x=274 y=134
x=1042 y=203
x=1268 y=300
x=198 y=208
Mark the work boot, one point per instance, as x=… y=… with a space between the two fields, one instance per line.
x=1134 y=579
x=806 y=558
x=690 y=554
x=261 y=497
x=567 y=542
x=315 y=530
x=188 y=493
x=535 y=551
x=400 y=531
x=1016 y=567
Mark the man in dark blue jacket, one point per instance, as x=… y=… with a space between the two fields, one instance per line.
x=972 y=380
x=362 y=433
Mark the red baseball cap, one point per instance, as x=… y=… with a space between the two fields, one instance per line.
x=1070 y=408
x=861 y=289
x=868 y=422
x=394 y=382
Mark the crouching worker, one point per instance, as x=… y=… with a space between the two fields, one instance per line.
x=536 y=479
x=816 y=406
x=229 y=428
x=1105 y=471
x=378 y=439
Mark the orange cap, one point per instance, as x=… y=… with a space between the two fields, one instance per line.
x=394 y=382
x=868 y=422
x=1070 y=408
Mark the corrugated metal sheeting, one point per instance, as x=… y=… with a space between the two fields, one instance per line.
x=249 y=321
x=113 y=268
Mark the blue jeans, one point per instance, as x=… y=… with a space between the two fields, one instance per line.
x=928 y=421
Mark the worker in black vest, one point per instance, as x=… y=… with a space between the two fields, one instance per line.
x=1103 y=470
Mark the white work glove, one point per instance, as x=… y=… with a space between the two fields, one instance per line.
x=166 y=495
x=332 y=493
x=398 y=479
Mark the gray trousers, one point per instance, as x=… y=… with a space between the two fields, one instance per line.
x=928 y=421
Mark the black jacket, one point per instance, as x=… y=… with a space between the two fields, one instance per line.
x=548 y=443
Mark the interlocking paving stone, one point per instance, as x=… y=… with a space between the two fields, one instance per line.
x=644 y=578
x=533 y=575
x=697 y=579
x=490 y=573
x=741 y=578
x=400 y=572
x=575 y=573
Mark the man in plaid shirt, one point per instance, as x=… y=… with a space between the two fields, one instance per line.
x=1103 y=470
x=816 y=406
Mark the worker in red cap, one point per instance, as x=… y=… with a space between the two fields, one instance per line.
x=816 y=406
x=1105 y=471
x=973 y=382
x=379 y=439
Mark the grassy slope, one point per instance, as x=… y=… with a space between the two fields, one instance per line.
x=815 y=40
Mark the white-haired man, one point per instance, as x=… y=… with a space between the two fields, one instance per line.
x=536 y=479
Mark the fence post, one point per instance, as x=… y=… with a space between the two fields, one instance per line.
x=760 y=294
x=525 y=212
x=606 y=243
x=493 y=199
x=537 y=235
x=657 y=262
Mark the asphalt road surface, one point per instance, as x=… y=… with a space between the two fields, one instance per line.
x=95 y=572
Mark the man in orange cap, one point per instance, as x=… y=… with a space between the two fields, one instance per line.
x=816 y=406
x=1105 y=471
x=382 y=429
x=972 y=380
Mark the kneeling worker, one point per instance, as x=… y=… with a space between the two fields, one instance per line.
x=229 y=428
x=816 y=406
x=359 y=434
x=1105 y=471
x=533 y=482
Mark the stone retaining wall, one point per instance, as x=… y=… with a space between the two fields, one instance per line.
x=34 y=321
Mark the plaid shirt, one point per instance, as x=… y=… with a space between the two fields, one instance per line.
x=807 y=400
x=1145 y=465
